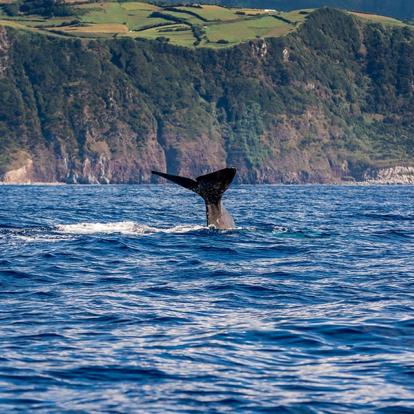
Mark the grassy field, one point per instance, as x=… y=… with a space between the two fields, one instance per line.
x=202 y=26
x=99 y=28
x=220 y=26
x=211 y=12
x=379 y=19
x=239 y=31
x=181 y=34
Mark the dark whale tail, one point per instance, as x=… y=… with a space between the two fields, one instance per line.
x=211 y=187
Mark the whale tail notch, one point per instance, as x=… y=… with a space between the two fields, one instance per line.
x=210 y=186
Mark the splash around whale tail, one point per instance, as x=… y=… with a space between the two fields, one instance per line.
x=210 y=186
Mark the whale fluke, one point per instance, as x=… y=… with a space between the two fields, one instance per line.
x=183 y=181
x=211 y=187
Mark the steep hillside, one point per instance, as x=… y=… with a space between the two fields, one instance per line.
x=330 y=102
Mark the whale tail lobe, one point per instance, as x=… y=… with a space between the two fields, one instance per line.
x=210 y=186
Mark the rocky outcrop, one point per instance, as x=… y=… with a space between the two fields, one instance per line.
x=4 y=51
x=392 y=175
x=259 y=49
x=22 y=175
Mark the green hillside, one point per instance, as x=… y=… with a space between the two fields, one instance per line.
x=327 y=102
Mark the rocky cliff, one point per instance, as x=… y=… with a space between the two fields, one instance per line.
x=331 y=102
x=394 y=175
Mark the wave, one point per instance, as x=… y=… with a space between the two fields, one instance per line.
x=63 y=231
x=123 y=227
x=46 y=238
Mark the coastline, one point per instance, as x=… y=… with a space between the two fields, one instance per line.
x=338 y=184
x=396 y=175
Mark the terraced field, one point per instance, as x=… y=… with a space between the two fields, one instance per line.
x=191 y=26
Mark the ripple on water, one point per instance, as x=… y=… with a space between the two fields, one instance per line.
x=119 y=299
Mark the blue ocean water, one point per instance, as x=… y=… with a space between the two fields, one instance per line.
x=117 y=299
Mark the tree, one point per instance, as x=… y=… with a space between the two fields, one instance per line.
x=46 y=8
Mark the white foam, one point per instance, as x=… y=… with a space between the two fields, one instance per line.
x=123 y=227
x=279 y=229
x=41 y=238
x=183 y=229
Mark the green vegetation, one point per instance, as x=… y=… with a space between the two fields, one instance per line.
x=210 y=12
x=327 y=101
x=191 y=26
x=45 y=8
x=379 y=19
x=208 y=25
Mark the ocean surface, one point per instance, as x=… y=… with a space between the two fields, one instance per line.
x=118 y=299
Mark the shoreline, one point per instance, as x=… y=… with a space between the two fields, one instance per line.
x=339 y=184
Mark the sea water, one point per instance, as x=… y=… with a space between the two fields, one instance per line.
x=118 y=299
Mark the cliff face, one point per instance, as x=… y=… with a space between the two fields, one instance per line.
x=330 y=103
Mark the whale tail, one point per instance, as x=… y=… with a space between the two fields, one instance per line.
x=210 y=186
